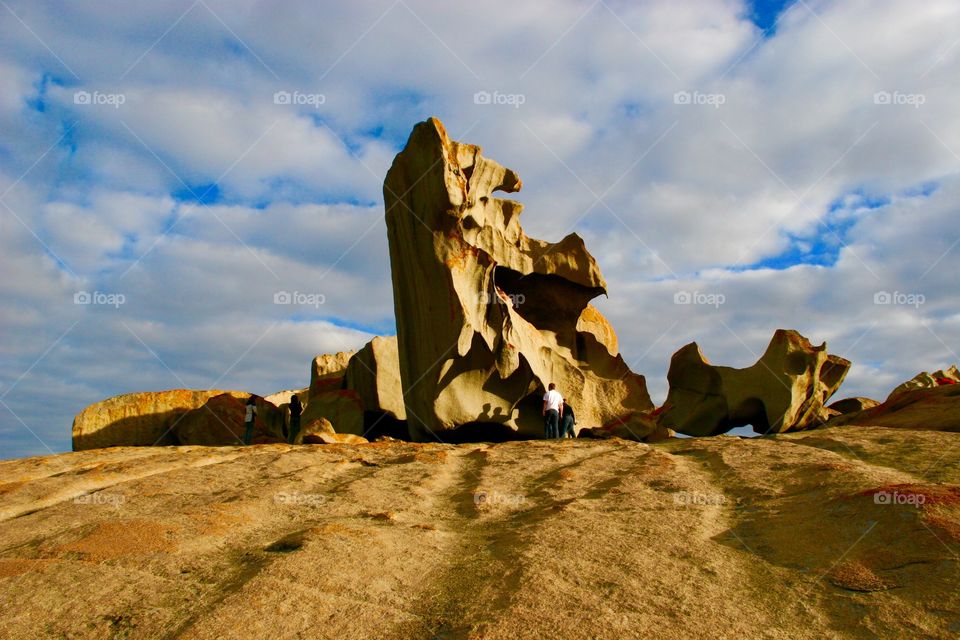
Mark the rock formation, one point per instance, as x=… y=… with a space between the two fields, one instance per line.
x=487 y=316
x=325 y=437
x=923 y=409
x=924 y=380
x=359 y=392
x=374 y=373
x=784 y=391
x=852 y=405
x=138 y=419
x=693 y=539
x=220 y=422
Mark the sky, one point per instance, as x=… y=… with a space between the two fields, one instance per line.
x=169 y=170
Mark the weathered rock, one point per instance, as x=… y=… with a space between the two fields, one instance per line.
x=924 y=380
x=282 y=398
x=334 y=438
x=342 y=407
x=377 y=541
x=328 y=398
x=138 y=419
x=784 y=391
x=374 y=373
x=852 y=405
x=486 y=316
x=640 y=427
x=314 y=427
x=331 y=365
x=220 y=422
x=927 y=409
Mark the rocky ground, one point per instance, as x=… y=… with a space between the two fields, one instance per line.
x=809 y=535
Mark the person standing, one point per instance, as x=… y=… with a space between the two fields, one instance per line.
x=249 y=419
x=552 y=406
x=567 y=420
x=295 y=410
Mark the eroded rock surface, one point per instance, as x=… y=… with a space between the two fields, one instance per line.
x=487 y=316
x=697 y=538
x=220 y=422
x=784 y=391
x=138 y=419
x=935 y=409
x=924 y=380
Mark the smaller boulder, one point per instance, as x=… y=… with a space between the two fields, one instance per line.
x=220 y=422
x=314 y=427
x=334 y=438
x=924 y=380
x=936 y=409
x=852 y=405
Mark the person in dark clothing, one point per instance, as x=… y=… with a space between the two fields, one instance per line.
x=567 y=421
x=552 y=406
x=249 y=419
x=295 y=410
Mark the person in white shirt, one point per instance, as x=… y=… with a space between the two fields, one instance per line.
x=552 y=406
x=249 y=419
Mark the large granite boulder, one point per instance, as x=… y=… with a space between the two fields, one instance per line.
x=922 y=409
x=138 y=419
x=358 y=392
x=220 y=422
x=374 y=373
x=924 y=380
x=852 y=405
x=330 y=400
x=486 y=316
x=329 y=365
x=784 y=391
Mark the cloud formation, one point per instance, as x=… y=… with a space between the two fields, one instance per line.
x=198 y=158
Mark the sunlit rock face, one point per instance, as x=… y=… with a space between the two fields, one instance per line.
x=486 y=316
x=786 y=389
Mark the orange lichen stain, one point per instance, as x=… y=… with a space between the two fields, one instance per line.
x=9 y=487
x=119 y=539
x=855 y=576
x=459 y=259
x=217 y=519
x=431 y=457
x=925 y=495
x=10 y=567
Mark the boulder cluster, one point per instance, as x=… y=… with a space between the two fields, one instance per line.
x=486 y=318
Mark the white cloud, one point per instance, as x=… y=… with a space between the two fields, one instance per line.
x=691 y=193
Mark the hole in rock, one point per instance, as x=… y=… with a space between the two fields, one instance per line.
x=750 y=412
x=545 y=301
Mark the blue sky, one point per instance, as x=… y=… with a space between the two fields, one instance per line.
x=183 y=162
